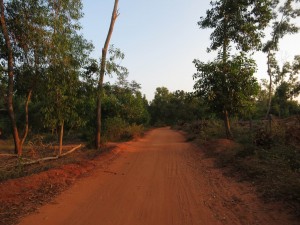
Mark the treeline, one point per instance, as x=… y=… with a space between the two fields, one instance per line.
x=179 y=107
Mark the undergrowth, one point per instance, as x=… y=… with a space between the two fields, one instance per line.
x=269 y=157
x=116 y=129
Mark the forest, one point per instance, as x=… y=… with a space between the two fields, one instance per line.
x=54 y=94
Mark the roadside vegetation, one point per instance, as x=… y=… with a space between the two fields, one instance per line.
x=53 y=96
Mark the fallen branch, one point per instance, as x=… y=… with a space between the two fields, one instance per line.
x=72 y=150
x=53 y=157
x=41 y=160
x=8 y=155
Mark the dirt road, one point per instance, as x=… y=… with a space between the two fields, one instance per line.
x=158 y=180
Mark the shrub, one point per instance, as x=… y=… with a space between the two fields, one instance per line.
x=116 y=129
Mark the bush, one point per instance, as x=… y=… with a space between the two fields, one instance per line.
x=116 y=129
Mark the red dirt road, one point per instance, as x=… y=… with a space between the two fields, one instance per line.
x=158 y=180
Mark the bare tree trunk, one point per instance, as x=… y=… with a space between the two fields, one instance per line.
x=26 y=119
x=270 y=87
x=114 y=16
x=227 y=125
x=10 y=108
x=61 y=135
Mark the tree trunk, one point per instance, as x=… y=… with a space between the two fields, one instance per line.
x=270 y=87
x=99 y=115
x=227 y=125
x=26 y=119
x=251 y=128
x=61 y=135
x=102 y=72
x=224 y=58
x=10 y=90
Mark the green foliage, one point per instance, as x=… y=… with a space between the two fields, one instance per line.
x=68 y=54
x=203 y=130
x=282 y=105
x=122 y=103
x=235 y=90
x=126 y=103
x=170 y=108
x=284 y=88
x=116 y=129
x=239 y=22
x=284 y=23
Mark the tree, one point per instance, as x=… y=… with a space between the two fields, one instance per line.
x=238 y=23
x=29 y=50
x=10 y=86
x=282 y=103
x=169 y=108
x=286 y=89
x=237 y=94
x=280 y=28
x=114 y=16
x=159 y=107
x=126 y=103
x=18 y=47
x=68 y=54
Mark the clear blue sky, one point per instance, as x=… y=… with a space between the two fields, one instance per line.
x=160 y=39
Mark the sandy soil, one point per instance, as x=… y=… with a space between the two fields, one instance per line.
x=158 y=180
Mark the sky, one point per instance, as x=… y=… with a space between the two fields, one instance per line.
x=161 y=39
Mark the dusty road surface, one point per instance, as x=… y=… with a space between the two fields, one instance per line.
x=158 y=180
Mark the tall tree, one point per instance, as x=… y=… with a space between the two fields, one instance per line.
x=29 y=50
x=237 y=94
x=285 y=25
x=239 y=24
x=114 y=17
x=10 y=86
x=67 y=55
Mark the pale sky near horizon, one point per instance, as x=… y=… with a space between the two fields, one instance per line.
x=160 y=40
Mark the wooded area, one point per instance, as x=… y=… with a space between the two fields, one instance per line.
x=49 y=82
x=52 y=89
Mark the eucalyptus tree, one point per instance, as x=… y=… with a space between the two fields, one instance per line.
x=236 y=24
x=9 y=57
x=92 y=79
x=283 y=23
x=114 y=17
x=287 y=88
x=68 y=53
x=22 y=41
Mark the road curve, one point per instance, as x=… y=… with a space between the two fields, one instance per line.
x=157 y=180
